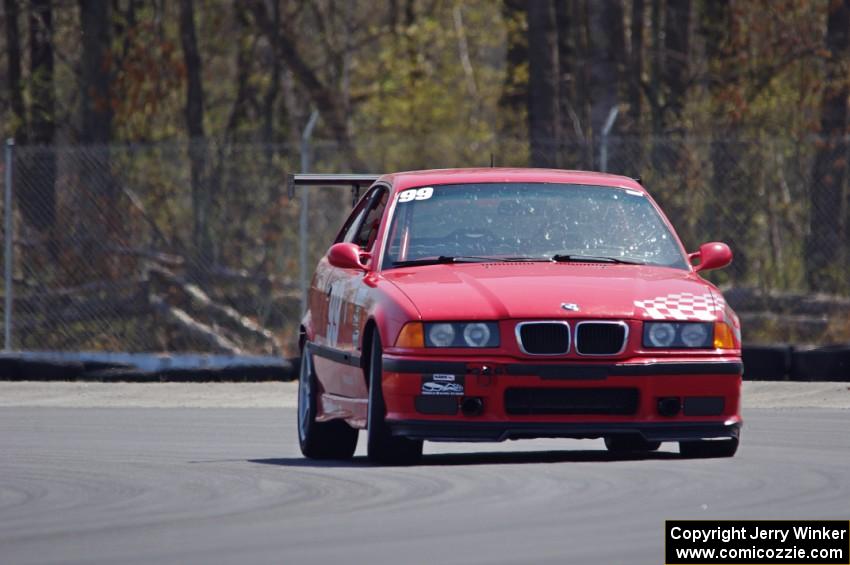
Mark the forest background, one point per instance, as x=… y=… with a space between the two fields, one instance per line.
x=153 y=139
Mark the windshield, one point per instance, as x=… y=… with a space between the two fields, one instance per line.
x=530 y=221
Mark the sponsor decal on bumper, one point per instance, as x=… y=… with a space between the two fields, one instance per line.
x=441 y=384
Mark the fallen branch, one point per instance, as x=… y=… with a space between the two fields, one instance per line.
x=197 y=330
x=220 y=314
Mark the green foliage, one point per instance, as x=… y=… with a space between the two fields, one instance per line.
x=435 y=88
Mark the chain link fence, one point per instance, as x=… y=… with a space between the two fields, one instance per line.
x=195 y=246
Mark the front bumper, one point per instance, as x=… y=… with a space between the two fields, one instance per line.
x=521 y=400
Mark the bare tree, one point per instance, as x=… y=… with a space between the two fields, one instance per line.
x=569 y=127
x=101 y=219
x=606 y=59
x=728 y=214
x=543 y=117
x=13 y=58
x=95 y=21
x=38 y=198
x=826 y=269
x=328 y=100
x=636 y=66
x=677 y=18
x=194 y=111
x=514 y=96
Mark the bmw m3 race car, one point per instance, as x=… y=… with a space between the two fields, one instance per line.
x=494 y=304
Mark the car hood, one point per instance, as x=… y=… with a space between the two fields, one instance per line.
x=538 y=290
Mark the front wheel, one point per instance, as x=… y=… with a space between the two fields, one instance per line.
x=704 y=449
x=382 y=446
x=319 y=440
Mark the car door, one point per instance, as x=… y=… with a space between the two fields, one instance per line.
x=344 y=294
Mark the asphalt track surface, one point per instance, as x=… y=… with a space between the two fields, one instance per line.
x=228 y=485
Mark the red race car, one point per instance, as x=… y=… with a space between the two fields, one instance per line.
x=494 y=304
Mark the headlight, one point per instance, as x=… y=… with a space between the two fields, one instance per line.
x=476 y=335
x=678 y=335
x=659 y=335
x=462 y=334
x=695 y=335
x=440 y=335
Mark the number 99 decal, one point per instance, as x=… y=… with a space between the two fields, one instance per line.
x=416 y=194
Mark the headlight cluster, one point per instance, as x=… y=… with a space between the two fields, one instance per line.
x=462 y=334
x=677 y=335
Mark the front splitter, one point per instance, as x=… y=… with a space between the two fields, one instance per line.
x=500 y=431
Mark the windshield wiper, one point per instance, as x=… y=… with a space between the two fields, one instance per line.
x=443 y=259
x=592 y=259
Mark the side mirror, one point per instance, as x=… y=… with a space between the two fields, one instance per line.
x=347 y=256
x=714 y=255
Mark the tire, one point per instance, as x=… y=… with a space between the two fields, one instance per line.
x=382 y=446
x=830 y=363
x=708 y=449
x=766 y=362
x=319 y=440
x=630 y=444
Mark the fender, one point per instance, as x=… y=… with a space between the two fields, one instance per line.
x=387 y=307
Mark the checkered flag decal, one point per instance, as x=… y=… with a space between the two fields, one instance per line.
x=683 y=306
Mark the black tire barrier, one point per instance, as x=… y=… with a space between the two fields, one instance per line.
x=120 y=374
x=17 y=369
x=9 y=369
x=92 y=366
x=822 y=364
x=767 y=362
x=31 y=370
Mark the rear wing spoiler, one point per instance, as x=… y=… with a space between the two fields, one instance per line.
x=354 y=181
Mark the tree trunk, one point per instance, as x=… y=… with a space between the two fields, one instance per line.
x=38 y=194
x=13 y=54
x=95 y=20
x=270 y=134
x=632 y=122
x=329 y=102
x=670 y=73
x=635 y=66
x=580 y=29
x=825 y=265
x=201 y=199
x=101 y=221
x=728 y=212
x=677 y=17
x=514 y=96
x=239 y=113
x=569 y=132
x=607 y=48
x=655 y=71
x=542 y=83
x=192 y=60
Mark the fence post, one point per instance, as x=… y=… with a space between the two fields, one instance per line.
x=8 y=232
x=306 y=135
x=606 y=129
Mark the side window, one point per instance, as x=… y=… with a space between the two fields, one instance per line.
x=350 y=226
x=368 y=229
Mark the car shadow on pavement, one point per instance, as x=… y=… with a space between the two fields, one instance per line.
x=481 y=458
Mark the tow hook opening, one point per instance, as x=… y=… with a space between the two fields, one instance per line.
x=669 y=406
x=472 y=405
